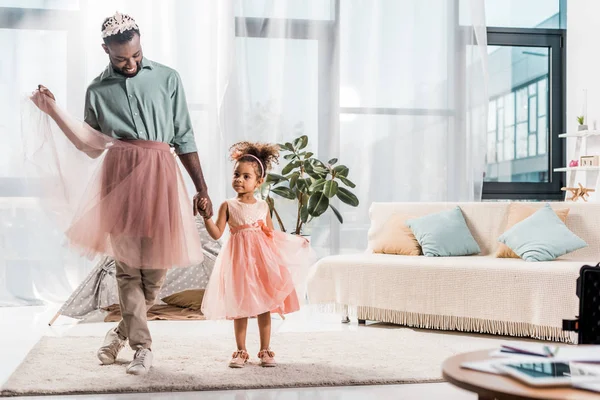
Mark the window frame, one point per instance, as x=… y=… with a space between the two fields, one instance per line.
x=554 y=40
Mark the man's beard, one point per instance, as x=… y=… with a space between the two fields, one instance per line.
x=122 y=72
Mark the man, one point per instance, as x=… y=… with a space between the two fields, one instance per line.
x=137 y=99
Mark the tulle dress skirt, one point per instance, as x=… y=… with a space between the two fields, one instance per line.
x=123 y=199
x=259 y=270
x=138 y=210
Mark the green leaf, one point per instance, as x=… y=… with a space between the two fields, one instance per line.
x=320 y=171
x=318 y=184
x=288 y=168
x=337 y=214
x=330 y=188
x=304 y=184
x=301 y=142
x=304 y=214
x=341 y=170
x=332 y=161
x=317 y=204
x=308 y=155
x=294 y=179
x=289 y=146
x=289 y=156
x=305 y=198
x=275 y=179
x=282 y=146
x=347 y=197
x=346 y=181
x=319 y=164
x=284 y=192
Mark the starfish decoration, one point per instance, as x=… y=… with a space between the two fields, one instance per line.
x=578 y=192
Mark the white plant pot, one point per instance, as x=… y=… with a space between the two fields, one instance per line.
x=582 y=128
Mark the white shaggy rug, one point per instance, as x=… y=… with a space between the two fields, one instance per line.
x=369 y=355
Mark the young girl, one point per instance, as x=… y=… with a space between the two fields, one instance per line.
x=255 y=272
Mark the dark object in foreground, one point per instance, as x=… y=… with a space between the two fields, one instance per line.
x=587 y=323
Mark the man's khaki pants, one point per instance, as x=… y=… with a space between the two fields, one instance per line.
x=138 y=289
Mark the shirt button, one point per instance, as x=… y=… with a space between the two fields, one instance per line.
x=130 y=95
x=134 y=113
x=141 y=132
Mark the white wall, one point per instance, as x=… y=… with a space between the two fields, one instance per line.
x=583 y=72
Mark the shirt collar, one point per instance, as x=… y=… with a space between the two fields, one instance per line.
x=109 y=72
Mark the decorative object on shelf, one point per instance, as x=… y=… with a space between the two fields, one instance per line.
x=310 y=182
x=589 y=161
x=574 y=163
x=582 y=126
x=578 y=192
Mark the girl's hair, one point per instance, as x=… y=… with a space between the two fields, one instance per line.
x=267 y=153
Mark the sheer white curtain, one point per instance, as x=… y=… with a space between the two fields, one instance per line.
x=395 y=89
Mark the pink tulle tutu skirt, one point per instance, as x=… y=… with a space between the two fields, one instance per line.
x=259 y=270
x=137 y=210
x=123 y=199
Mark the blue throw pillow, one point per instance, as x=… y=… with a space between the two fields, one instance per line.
x=541 y=237
x=444 y=234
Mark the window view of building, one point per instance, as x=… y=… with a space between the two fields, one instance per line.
x=520 y=130
x=517 y=135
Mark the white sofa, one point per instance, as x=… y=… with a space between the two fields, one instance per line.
x=472 y=294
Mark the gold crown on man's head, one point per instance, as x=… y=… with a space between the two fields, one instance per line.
x=118 y=23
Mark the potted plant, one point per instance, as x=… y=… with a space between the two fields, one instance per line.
x=582 y=126
x=310 y=182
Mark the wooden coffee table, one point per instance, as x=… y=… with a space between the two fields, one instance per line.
x=490 y=386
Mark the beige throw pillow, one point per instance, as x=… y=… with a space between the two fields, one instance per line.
x=396 y=238
x=517 y=213
x=191 y=299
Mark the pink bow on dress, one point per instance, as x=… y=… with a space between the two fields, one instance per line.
x=268 y=231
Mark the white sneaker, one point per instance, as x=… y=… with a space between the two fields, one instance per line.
x=107 y=354
x=142 y=361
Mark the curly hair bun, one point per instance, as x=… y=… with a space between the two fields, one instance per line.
x=267 y=153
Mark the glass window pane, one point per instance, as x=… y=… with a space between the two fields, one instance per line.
x=491 y=146
x=533 y=89
x=522 y=140
x=376 y=140
x=380 y=63
x=276 y=102
x=518 y=79
x=524 y=14
x=542 y=136
x=509 y=143
x=543 y=95
x=509 y=114
x=292 y=9
x=532 y=114
x=532 y=145
x=42 y=4
x=500 y=121
x=492 y=116
x=522 y=104
x=23 y=48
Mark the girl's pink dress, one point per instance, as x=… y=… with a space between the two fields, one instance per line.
x=258 y=270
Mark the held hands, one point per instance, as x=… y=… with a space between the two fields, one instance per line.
x=203 y=205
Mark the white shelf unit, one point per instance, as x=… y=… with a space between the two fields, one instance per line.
x=569 y=169
x=580 y=136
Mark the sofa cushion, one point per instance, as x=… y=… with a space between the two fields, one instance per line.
x=541 y=237
x=395 y=237
x=517 y=212
x=444 y=234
